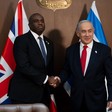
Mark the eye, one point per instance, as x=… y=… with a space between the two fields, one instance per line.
x=83 y=31
x=35 y=20
x=90 y=31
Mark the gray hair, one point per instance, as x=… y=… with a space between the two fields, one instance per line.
x=83 y=21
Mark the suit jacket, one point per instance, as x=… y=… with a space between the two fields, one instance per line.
x=90 y=87
x=30 y=73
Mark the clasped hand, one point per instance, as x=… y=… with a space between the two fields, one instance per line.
x=54 y=81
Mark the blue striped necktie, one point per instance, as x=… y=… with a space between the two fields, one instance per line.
x=42 y=48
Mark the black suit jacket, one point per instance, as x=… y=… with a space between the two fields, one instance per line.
x=27 y=82
x=90 y=87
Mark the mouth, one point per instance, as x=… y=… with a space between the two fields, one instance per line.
x=40 y=29
x=87 y=38
x=40 y=26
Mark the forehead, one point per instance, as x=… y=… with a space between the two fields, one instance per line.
x=38 y=17
x=86 y=26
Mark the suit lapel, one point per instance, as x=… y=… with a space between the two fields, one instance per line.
x=34 y=43
x=48 y=48
x=93 y=58
x=77 y=59
x=35 y=46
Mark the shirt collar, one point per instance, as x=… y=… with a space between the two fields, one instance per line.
x=36 y=35
x=90 y=45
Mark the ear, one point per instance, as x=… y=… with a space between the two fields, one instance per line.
x=77 y=33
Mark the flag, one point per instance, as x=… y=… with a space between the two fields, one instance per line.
x=94 y=18
x=7 y=63
x=67 y=86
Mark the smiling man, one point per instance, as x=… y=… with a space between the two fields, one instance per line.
x=33 y=53
x=88 y=63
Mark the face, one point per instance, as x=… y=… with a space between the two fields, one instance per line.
x=36 y=24
x=85 y=32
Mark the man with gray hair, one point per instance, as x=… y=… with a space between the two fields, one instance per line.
x=88 y=63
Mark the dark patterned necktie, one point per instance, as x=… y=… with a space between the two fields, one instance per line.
x=42 y=48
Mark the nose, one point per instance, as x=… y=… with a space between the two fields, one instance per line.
x=39 y=22
x=87 y=33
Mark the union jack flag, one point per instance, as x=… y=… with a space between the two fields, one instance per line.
x=7 y=63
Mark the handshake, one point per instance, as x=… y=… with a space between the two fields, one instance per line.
x=54 y=81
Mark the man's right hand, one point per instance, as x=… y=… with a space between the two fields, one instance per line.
x=54 y=81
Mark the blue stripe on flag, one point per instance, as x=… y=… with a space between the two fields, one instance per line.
x=7 y=101
x=13 y=27
x=1 y=74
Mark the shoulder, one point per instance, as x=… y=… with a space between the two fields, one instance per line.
x=73 y=46
x=100 y=45
x=22 y=37
x=22 y=40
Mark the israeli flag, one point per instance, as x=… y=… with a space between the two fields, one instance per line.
x=93 y=17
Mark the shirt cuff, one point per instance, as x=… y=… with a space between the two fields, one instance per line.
x=45 y=79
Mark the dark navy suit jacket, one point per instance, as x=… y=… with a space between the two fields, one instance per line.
x=27 y=82
x=90 y=87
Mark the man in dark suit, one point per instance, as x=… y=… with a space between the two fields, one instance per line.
x=88 y=91
x=30 y=82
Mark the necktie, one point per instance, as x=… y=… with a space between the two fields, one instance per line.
x=42 y=48
x=83 y=58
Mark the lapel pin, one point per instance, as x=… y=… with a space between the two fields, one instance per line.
x=47 y=42
x=96 y=52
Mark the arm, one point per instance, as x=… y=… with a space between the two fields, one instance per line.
x=24 y=62
x=108 y=66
